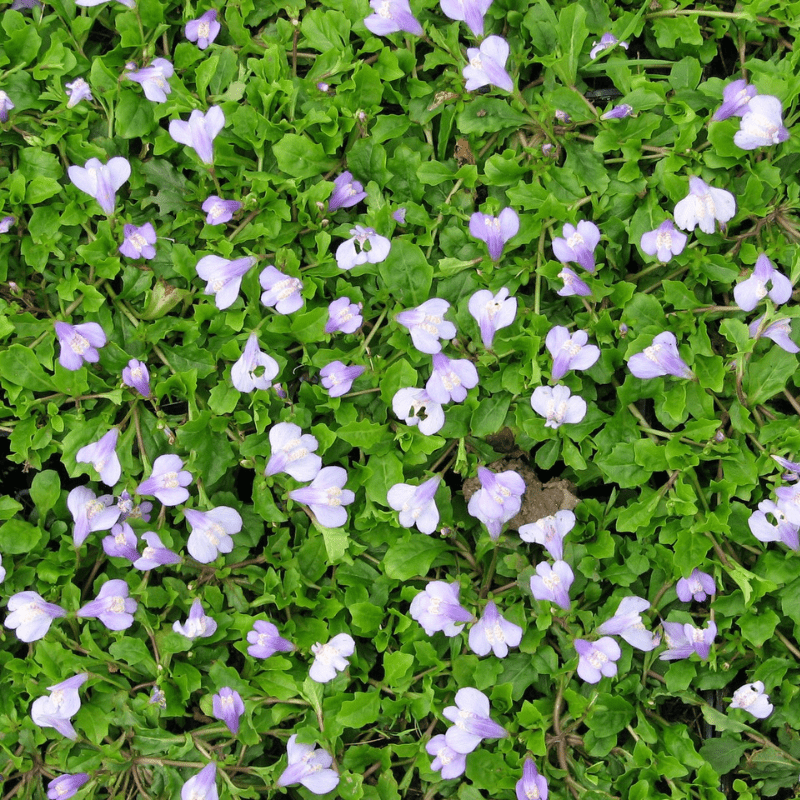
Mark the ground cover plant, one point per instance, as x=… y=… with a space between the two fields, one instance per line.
x=400 y=400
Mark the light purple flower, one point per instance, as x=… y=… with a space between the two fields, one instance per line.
x=779 y=331
x=101 y=181
x=762 y=124
x=155 y=554
x=79 y=343
x=749 y=293
x=532 y=785
x=618 y=112
x=293 y=452
x=607 y=41
x=199 y=625
x=245 y=372
x=470 y=11
x=56 y=709
x=352 y=253
x=570 y=352
x=399 y=216
x=563 y=117
x=227 y=706
x=704 y=206
x=660 y=358
x=471 y=721
x=326 y=497
x=25 y=5
x=572 y=284
x=102 y=455
x=323 y=87
x=112 y=606
x=137 y=376
x=552 y=583
x=664 y=242
x=683 y=640
x=556 y=405
x=211 y=532
x=487 y=65
x=343 y=316
x=782 y=531
x=121 y=543
x=494 y=632
x=751 y=698
x=139 y=241
x=392 y=16
x=90 y=513
x=66 y=786
x=167 y=481
x=5 y=106
x=735 y=99
x=550 y=532
x=266 y=641
x=436 y=608
x=416 y=504
x=31 y=616
x=498 y=500
x=346 y=191
x=6 y=223
x=698 y=586
x=451 y=379
x=2 y=570
x=408 y=404
x=309 y=766
x=128 y=510
x=219 y=211
x=91 y=3
x=78 y=90
x=627 y=623
x=451 y=763
x=224 y=277
x=427 y=325
x=491 y=312
x=203 y=30
x=281 y=291
x=596 y=659
x=154 y=80
x=495 y=231
x=792 y=468
x=157 y=698
x=789 y=502
x=337 y=378
x=202 y=786
x=199 y=132
x=331 y=657
x=578 y=244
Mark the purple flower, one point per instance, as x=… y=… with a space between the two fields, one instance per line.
x=661 y=358
x=265 y=640
x=578 y=244
x=202 y=786
x=6 y=223
x=451 y=763
x=199 y=132
x=570 y=352
x=323 y=87
x=596 y=659
x=245 y=372
x=498 y=500
x=789 y=502
x=618 y=112
x=78 y=90
x=607 y=41
x=349 y=256
x=157 y=698
x=495 y=231
x=550 y=532
x=392 y=16
x=293 y=452
x=167 y=481
x=218 y=210
x=399 y=216
x=139 y=241
x=199 y=625
x=451 y=379
x=627 y=623
x=128 y=510
x=782 y=531
x=532 y=785
x=224 y=277
x=90 y=513
x=154 y=80
x=310 y=766
x=493 y=632
x=91 y=3
x=326 y=496
x=211 y=532
x=5 y=106
x=102 y=455
x=552 y=583
x=409 y=404
x=563 y=117
x=491 y=312
x=416 y=504
x=66 y=786
x=664 y=242
x=344 y=316
x=436 y=608
x=121 y=543
x=155 y=554
x=779 y=331
x=137 y=377
x=762 y=124
x=792 y=467
x=427 y=325
x=331 y=657
x=704 y=206
x=683 y=640
x=227 y=706
x=101 y=181
x=471 y=721
x=556 y=405
x=735 y=99
x=338 y=378
x=281 y=291
x=572 y=284
x=2 y=570
x=487 y=65
x=31 y=615
x=203 y=30
x=751 y=698
x=749 y=293
x=63 y=702
x=25 y=5
x=79 y=343
x=470 y=11
x=112 y=606
x=346 y=191
x=698 y=586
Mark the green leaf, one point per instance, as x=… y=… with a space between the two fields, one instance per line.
x=45 y=491
x=620 y=466
x=300 y=157
x=134 y=116
x=488 y=115
x=768 y=374
x=757 y=628
x=572 y=33
x=362 y=710
x=20 y=367
x=690 y=550
x=407 y=274
x=18 y=536
x=413 y=556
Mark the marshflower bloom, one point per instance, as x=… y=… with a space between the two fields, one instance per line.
x=782 y=531
x=326 y=497
x=684 y=639
x=6 y=223
x=293 y=452
x=211 y=532
x=167 y=481
x=2 y=570
x=265 y=640
x=607 y=41
x=736 y=97
x=78 y=90
x=792 y=468
x=416 y=504
x=556 y=405
x=498 y=500
x=154 y=79
x=471 y=721
x=224 y=277
x=338 y=378
x=749 y=293
x=664 y=242
x=427 y=325
x=244 y=373
x=660 y=358
x=789 y=502
x=578 y=244
x=493 y=632
x=157 y=698
x=5 y=106
x=408 y=403
x=470 y=11
x=570 y=352
x=761 y=124
x=30 y=615
x=343 y=316
x=281 y=291
x=550 y=532
x=532 y=785
x=90 y=513
x=751 y=698
x=495 y=231
x=137 y=376
x=199 y=132
x=779 y=331
x=552 y=583
x=102 y=455
x=596 y=659
x=491 y=312
x=627 y=623
x=227 y=706
x=79 y=343
x=448 y=761
x=203 y=30
x=704 y=206
x=346 y=191
x=202 y=786
x=353 y=253
x=392 y=16
x=66 y=786
x=618 y=112
x=450 y=379
x=155 y=554
x=309 y=766
x=198 y=626
x=436 y=608
x=698 y=586
x=101 y=181
x=572 y=284
x=331 y=657
x=487 y=65
x=56 y=709
x=91 y=3
x=121 y=542
x=219 y=211
x=138 y=241
x=112 y=606
x=129 y=510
